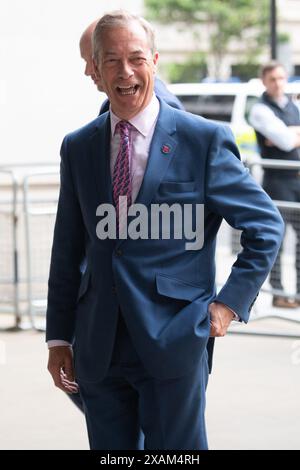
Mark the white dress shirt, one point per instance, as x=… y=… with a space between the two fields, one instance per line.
x=263 y=120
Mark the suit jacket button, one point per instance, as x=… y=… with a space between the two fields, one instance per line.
x=119 y=252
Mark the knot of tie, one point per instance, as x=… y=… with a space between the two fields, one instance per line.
x=124 y=128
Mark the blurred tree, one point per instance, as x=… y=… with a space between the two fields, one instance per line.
x=245 y=71
x=283 y=38
x=225 y=20
x=191 y=71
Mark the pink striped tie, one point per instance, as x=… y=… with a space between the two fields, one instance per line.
x=121 y=181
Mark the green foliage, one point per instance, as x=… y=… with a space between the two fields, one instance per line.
x=231 y=19
x=245 y=71
x=173 y=10
x=283 y=38
x=191 y=71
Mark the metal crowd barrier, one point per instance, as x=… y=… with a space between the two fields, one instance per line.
x=9 y=279
x=28 y=199
x=39 y=212
x=291 y=214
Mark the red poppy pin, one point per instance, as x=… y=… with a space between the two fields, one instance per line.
x=166 y=149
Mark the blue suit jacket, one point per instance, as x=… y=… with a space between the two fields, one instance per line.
x=163 y=289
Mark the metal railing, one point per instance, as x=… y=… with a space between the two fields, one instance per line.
x=9 y=273
x=289 y=210
x=287 y=275
x=39 y=213
x=23 y=196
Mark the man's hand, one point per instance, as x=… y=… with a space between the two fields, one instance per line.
x=60 y=366
x=220 y=319
x=269 y=143
x=296 y=129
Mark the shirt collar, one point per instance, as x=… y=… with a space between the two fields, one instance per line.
x=142 y=121
x=282 y=102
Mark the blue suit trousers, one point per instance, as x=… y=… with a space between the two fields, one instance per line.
x=131 y=410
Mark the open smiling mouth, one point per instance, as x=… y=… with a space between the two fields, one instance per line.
x=127 y=90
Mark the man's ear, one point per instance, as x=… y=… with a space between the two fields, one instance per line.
x=155 y=61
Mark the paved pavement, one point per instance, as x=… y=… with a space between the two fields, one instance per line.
x=252 y=401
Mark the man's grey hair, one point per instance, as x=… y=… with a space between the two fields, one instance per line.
x=119 y=19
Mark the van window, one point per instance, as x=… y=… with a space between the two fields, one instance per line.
x=250 y=101
x=216 y=107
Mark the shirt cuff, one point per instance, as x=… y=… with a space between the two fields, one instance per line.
x=57 y=342
x=236 y=317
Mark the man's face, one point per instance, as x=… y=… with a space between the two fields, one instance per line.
x=275 y=81
x=126 y=69
x=86 y=53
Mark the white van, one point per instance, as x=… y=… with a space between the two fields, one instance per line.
x=229 y=103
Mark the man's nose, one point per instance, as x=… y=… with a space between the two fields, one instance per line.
x=89 y=69
x=125 y=70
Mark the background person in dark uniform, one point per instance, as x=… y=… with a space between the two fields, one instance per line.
x=276 y=121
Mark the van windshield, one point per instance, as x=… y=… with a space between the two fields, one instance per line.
x=216 y=107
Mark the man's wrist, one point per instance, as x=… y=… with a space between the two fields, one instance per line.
x=235 y=317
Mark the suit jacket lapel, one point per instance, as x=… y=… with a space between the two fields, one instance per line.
x=161 y=152
x=100 y=153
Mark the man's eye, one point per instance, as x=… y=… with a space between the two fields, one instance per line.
x=138 y=60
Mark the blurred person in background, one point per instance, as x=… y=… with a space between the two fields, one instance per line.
x=85 y=47
x=276 y=120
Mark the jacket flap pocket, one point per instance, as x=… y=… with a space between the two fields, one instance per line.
x=84 y=284
x=177 y=288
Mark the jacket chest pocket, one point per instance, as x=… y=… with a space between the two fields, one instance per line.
x=173 y=191
x=177 y=187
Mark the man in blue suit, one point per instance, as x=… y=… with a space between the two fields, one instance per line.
x=160 y=89
x=139 y=318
